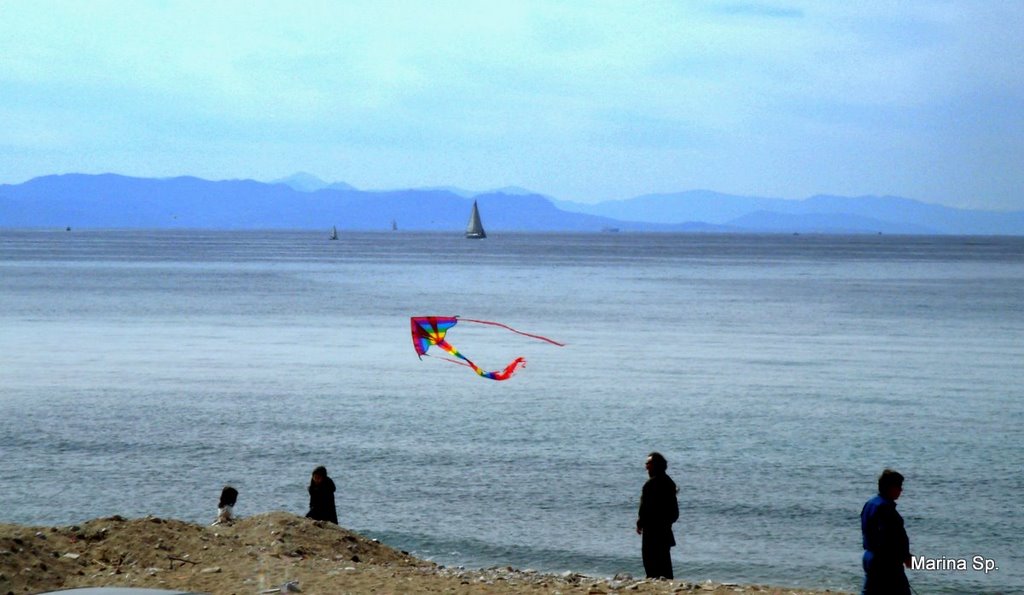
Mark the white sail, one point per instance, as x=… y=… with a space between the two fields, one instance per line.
x=475 y=229
x=334 y=233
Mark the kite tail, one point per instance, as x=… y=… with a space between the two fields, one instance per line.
x=507 y=327
x=504 y=374
x=496 y=375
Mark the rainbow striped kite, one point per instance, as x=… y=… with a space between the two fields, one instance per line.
x=429 y=331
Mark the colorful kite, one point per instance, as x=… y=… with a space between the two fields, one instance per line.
x=429 y=331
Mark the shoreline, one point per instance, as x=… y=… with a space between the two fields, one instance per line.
x=266 y=551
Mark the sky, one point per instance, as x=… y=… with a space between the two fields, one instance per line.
x=583 y=101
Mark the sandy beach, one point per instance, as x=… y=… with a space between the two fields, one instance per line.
x=261 y=554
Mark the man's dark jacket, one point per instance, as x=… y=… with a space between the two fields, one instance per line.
x=658 y=510
x=886 y=547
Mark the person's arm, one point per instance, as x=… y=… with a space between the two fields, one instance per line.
x=891 y=542
x=642 y=512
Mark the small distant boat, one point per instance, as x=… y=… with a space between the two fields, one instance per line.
x=394 y=225
x=334 y=233
x=475 y=229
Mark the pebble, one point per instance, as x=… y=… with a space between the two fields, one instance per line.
x=210 y=570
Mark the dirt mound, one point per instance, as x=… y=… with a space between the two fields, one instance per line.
x=258 y=552
x=264 y=553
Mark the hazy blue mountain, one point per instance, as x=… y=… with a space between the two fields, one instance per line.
x=305 y=202
x=118 y=201
x=510 y=190
x=453 y=189
x=301 y=181
x=501 y=211
x=693 y=205
x=864 y=214
x=306 y=182
x=114 y=201
x=940 y=218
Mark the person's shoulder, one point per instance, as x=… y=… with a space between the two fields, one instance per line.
x=660 y=482
x=877 y=502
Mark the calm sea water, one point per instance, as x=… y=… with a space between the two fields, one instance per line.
x=142 y=371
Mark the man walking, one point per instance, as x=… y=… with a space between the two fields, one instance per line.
x=886 y=545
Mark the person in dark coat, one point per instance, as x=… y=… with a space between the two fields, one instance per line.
x=658 y=510
x=886 y=545
x=321 y=497
x=226 y=506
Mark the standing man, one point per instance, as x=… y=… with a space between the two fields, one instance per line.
x=886 y=546
x=658 y=510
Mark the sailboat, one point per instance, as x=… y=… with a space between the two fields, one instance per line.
x=334 y=232
x=475 y=229
x=394 y=225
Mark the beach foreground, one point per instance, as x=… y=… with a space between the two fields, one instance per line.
x=264 y=552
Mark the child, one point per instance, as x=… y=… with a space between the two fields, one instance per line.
x=226 y=507
x=321 y=497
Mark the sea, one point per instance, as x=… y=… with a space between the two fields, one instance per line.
x=141 y=371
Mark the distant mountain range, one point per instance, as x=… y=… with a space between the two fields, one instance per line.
x=303 y=201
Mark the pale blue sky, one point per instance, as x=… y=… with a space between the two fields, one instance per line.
x=583 y=101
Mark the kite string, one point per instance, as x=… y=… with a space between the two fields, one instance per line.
x=448 y=347
x=505 y=326
x=448 y=359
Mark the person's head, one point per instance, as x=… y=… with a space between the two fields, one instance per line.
x=228 y=497
x=656 y=464
x=890 y=484
x=319 y=474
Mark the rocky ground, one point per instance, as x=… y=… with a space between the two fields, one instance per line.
x=272 y=553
